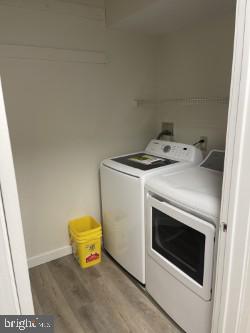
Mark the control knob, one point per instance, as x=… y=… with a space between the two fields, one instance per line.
x=166 y=148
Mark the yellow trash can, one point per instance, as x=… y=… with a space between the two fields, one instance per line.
x=85 y=235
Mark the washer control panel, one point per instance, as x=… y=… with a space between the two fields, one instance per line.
x=174 y=151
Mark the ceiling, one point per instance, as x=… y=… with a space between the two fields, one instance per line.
x=158 y=17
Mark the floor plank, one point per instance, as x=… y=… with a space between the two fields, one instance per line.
x=99 y=299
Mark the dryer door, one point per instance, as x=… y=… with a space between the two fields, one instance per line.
x=182 y=244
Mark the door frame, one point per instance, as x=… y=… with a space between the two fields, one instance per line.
x=13 y=221
x=9 y=303
x=232 y=288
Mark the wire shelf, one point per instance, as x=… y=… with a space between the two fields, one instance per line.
x=184 y=100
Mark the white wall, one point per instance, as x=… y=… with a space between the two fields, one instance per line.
x=117 y=10
x=196 y=61
x=65 y=117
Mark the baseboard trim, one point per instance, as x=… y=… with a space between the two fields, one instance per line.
x=49 y=256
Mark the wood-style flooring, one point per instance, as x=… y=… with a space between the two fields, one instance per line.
x=101 y=299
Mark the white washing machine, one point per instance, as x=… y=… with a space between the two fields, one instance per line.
x=182 y=216
x=122 y=195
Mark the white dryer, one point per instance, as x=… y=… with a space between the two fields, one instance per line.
x=122 y=196
x=182 y=215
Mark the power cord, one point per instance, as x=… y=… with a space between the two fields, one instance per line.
x=198 y=142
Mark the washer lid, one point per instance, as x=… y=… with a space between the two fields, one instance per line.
x=143 y=161
x=196 y=189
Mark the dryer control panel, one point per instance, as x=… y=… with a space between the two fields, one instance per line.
x=174 y=151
